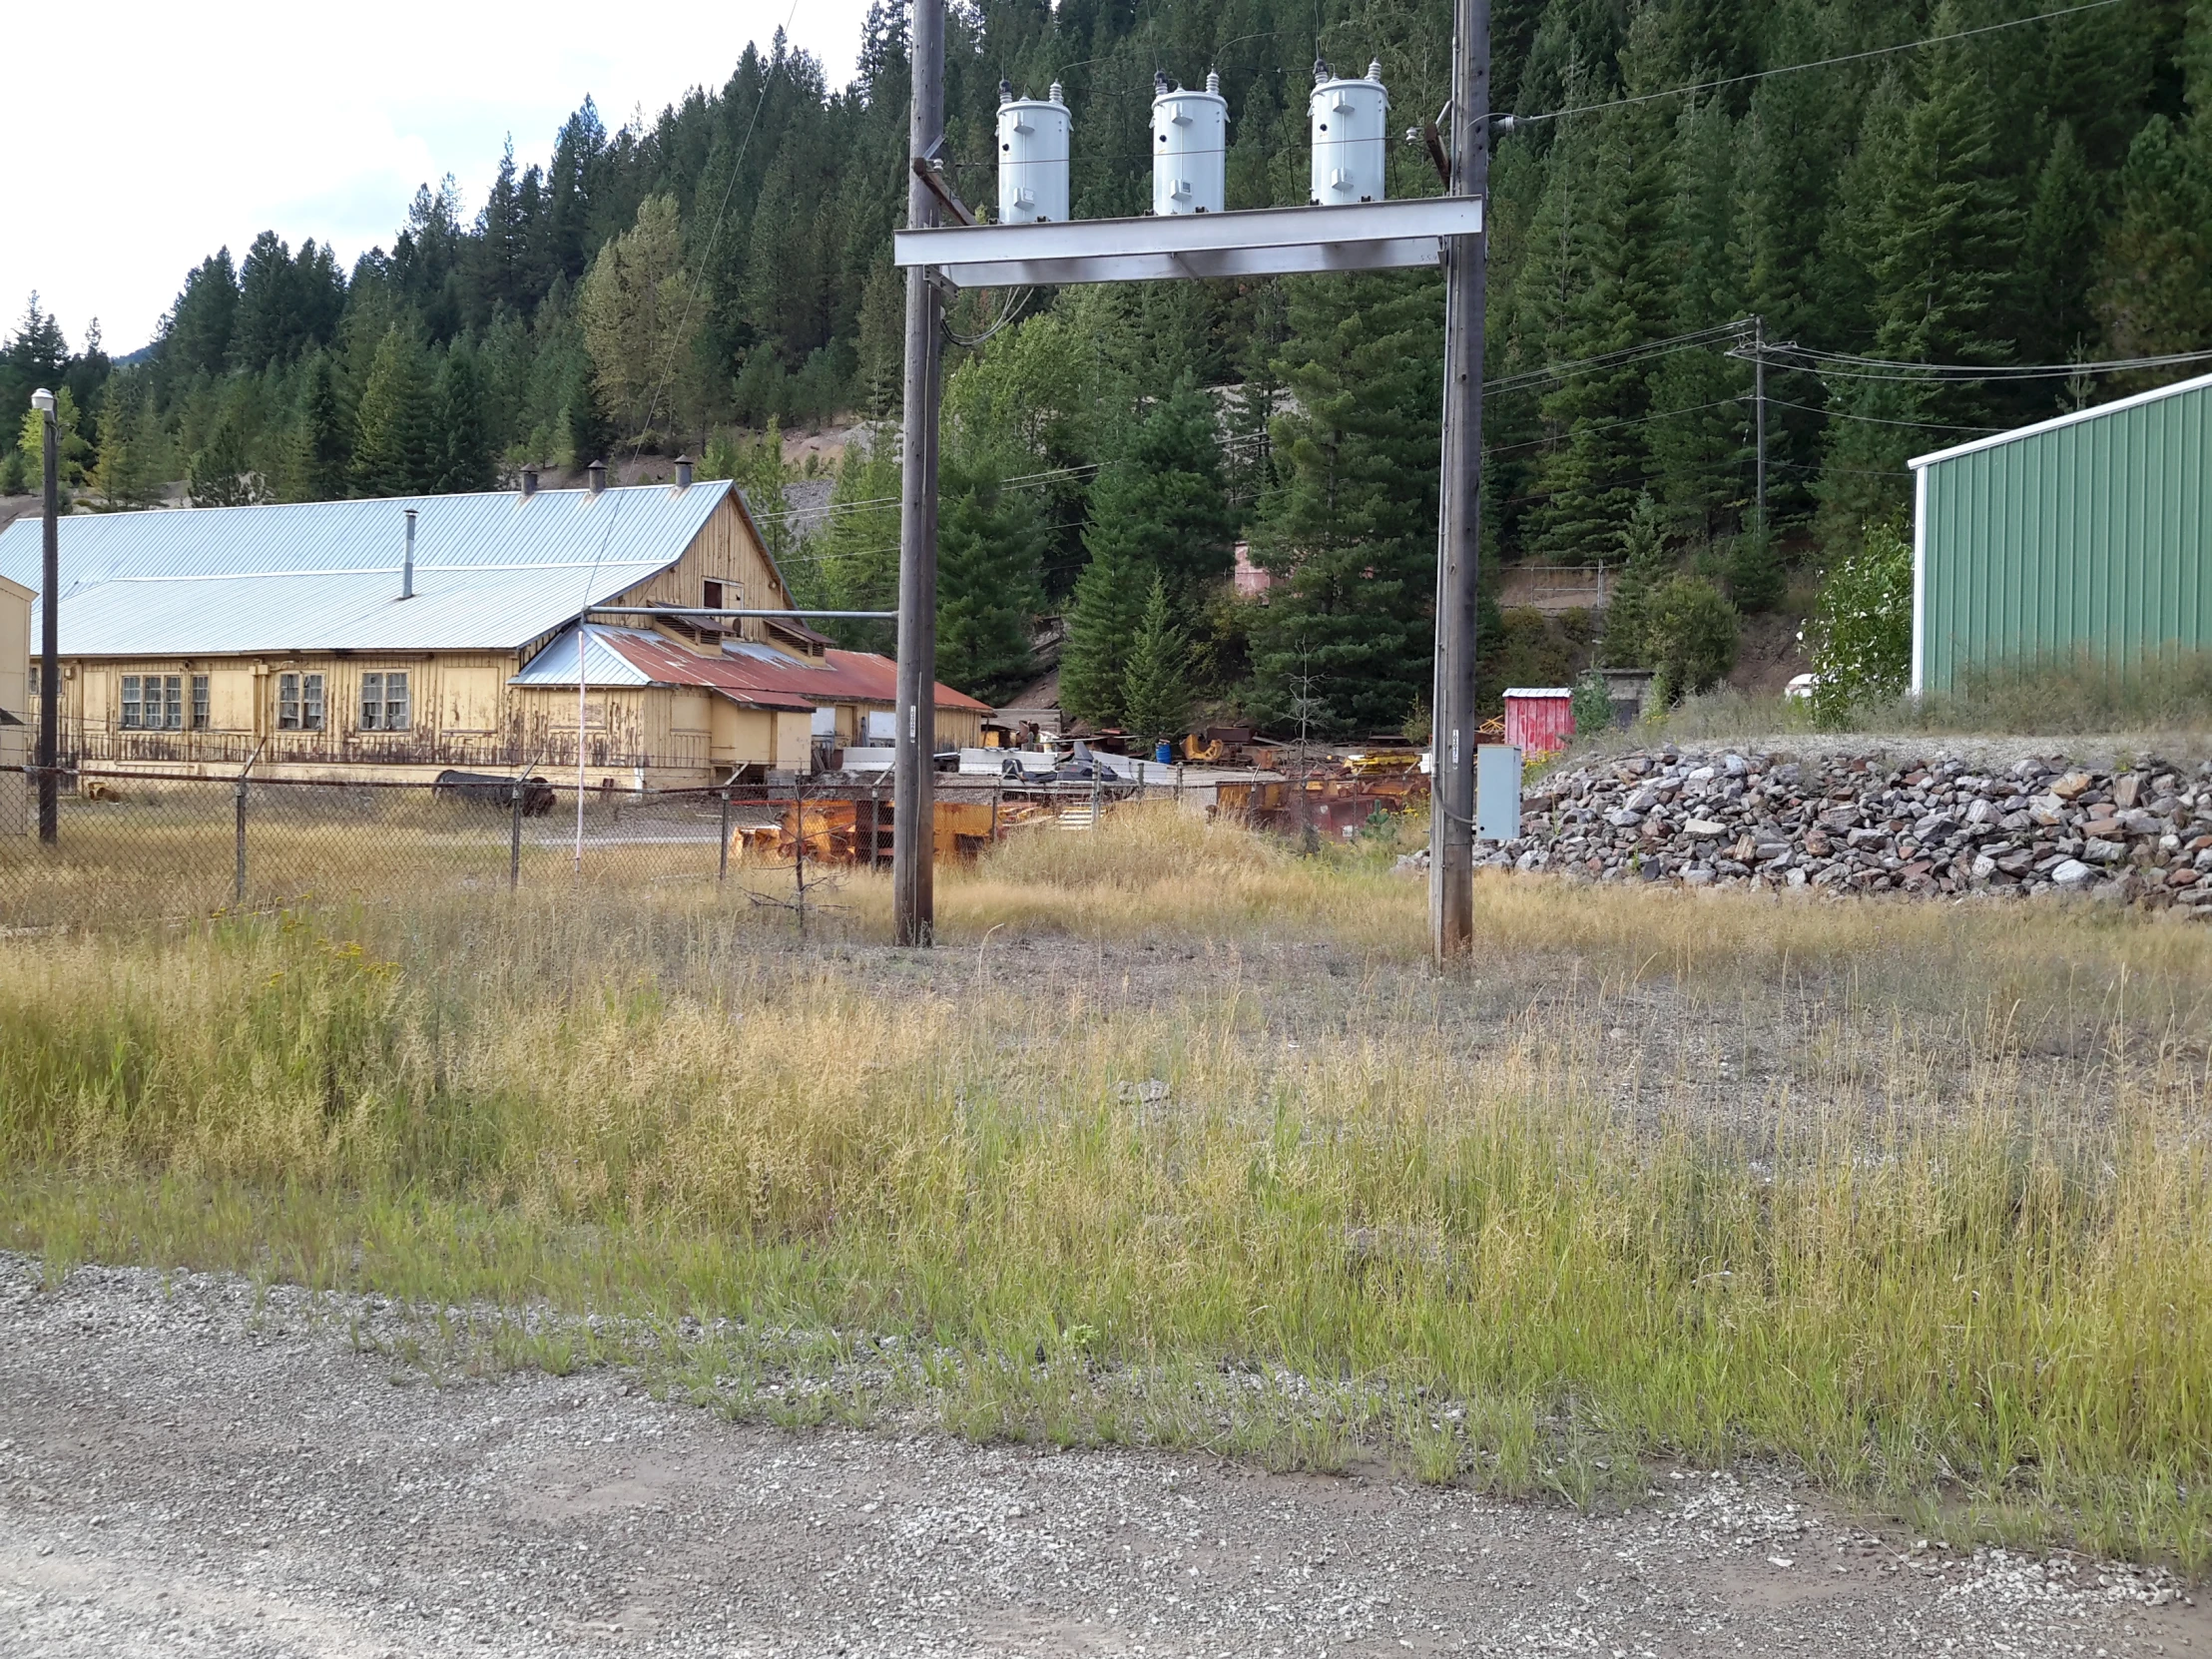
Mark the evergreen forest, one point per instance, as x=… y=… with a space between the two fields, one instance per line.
x=1917 y=241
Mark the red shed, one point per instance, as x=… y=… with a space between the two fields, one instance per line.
x=1539 y=720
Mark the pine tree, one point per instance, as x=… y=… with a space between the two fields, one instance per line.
x=761 y=473
x=1608 y=192
x=1351 y=521
x=1945 y=236
x=1109 y=600
x=987 y=548
x=222 y=474
x=583 y=427
x=322 y=442
x=129 y=473
x=1647 y=566
x=1699 y=455
x=397 y=450
x=463 y=427
x=196 y=334
x=2156 y=294
x=639 y=315
x=856 y=548
x=2063 y=223
x=1155 y=687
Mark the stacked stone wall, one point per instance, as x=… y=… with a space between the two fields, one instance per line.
x=1865 y=824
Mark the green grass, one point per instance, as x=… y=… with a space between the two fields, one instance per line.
x=1952 y=1258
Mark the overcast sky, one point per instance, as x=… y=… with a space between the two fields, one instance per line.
x=170 y=131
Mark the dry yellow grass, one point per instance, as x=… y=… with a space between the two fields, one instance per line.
x=1948 y=1250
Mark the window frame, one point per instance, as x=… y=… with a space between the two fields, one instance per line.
x=302 y=693
x=172 y=702
x=385 y=700
x=201 y=705
x=132 y=716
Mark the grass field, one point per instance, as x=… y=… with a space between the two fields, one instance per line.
x=1176 y=1139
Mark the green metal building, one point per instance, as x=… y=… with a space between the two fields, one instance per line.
x=2091 y=533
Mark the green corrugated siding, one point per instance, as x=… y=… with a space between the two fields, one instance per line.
x=2092 y=537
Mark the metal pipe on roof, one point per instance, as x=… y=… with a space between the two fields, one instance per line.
x=407 y=568
x=597 y=474
x=530 y=482
x=683 y=472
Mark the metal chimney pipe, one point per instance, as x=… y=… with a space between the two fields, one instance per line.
x=406 y=570
x=530 y=482
x=683 y=472
x=597 y=474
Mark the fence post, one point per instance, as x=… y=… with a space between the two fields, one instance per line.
x=514 y=836
x=999 y=797
x=1098 y=770
x=721 y=858
x=799 y=847
x=238 y=886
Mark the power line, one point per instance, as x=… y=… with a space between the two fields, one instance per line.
x=1622 y=358
x=1878 y=420
x=1883 y=369
x=1823 y=63
x=1607 y=426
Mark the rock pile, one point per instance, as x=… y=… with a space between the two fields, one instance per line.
x=1861 y=824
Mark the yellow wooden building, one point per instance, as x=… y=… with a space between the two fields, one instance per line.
x=15 y=707
x=394 y=638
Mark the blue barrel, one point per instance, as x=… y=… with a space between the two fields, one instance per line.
x=1165 y=754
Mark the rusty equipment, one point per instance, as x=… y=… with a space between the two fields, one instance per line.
x=859 y=833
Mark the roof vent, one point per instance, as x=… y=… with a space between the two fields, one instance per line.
x=530 y=482
x=597 y=474
x=683 y=472
x=407 y=568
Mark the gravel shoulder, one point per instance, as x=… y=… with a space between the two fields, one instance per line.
x=190 y=1466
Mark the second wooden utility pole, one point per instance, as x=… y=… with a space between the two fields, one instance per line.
x=914 y=744
x=1458 y=543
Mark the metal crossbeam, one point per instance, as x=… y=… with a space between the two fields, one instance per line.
x=1259 y=242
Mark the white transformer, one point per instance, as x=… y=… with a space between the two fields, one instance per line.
x=1032 y=157
x=1350 y=121
x=1190 y=148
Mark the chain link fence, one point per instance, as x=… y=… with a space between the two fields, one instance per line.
x=136 y=845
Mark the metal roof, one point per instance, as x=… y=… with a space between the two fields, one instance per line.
x=492 y=571
x=2096 y=411
x=747 y=671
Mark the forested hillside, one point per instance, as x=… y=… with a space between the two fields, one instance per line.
x=2001 y=196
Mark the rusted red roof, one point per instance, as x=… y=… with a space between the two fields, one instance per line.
x=757 y=674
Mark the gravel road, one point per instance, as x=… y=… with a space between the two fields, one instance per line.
x=184 y=1472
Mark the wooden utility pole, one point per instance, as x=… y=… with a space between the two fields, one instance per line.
x=49 y=614
x=914 y=782
x=1759 y=397
x=1458 y=549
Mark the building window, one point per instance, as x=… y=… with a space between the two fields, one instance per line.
x=36 y=668
x=299 y=702
x=198 y=702
x=153 y=703
x=384 y=702
x=713 y=599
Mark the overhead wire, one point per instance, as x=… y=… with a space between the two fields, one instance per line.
x=1821 y=63
x=1842 y=365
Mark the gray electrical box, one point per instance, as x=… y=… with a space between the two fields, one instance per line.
x=1498 y=777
